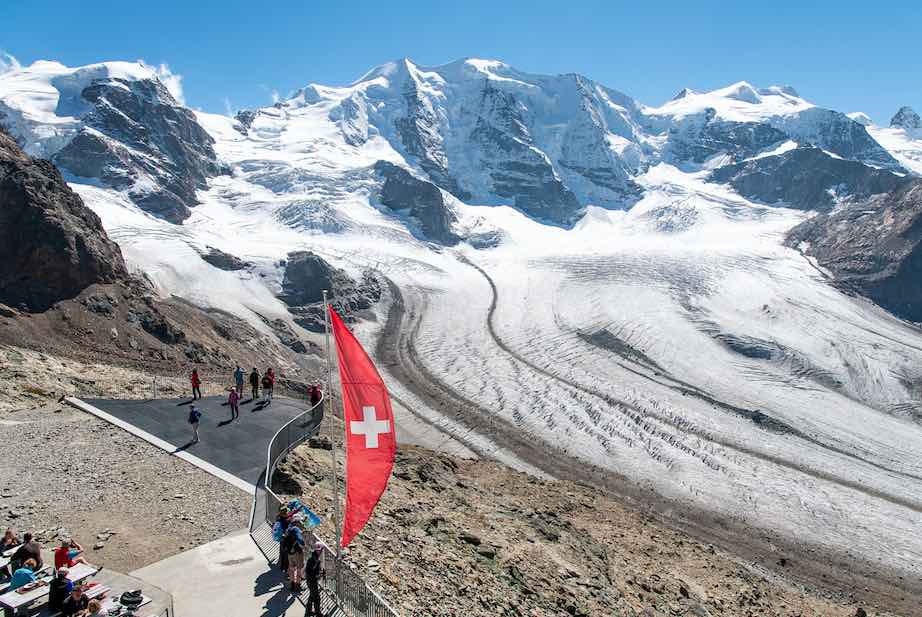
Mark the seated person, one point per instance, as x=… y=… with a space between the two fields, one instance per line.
x=8 y=541
x=75 y=604
x=23 y=575
x=68 y=554
x=94 y=609
x=58 y=590
x=29 y=549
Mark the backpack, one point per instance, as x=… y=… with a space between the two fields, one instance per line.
x=194 y=416
x=292 y=543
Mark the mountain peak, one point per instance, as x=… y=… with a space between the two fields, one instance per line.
x=906 y=118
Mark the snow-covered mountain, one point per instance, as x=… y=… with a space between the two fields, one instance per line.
x=554 y=274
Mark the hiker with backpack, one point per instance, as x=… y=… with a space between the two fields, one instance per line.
x=196 y=385
x=233 y=400
x=254 y=383
x=195 y=417
x=294 y=544
x=268 y=385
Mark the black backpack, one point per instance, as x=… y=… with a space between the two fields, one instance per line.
x=194 y=416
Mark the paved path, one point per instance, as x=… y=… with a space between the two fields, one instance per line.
x=238 y=447
x=226 y=578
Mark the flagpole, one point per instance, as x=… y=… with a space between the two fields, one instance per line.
x=337 y=517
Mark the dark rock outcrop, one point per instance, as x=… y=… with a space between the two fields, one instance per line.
x=906 y=118
x=703 y=136
x=805 y=178
x=52 y=246
x=422 y=200
x=308 y=274
x=137 y=137
x=873 y=246
x=224 y=261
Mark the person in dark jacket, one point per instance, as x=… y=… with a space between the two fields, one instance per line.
x=29 y=549
x=313 y=572
x=75 y=603
x=282 y=520
x=315 y=395
x=58 y=590
x=254 y=383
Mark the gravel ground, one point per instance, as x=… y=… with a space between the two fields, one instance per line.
x=64 y=469
x=469 y=538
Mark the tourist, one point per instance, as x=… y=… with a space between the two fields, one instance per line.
x=29 y=549
x=268 y=384
x=281 y=524
x=239 y=374
x=196 y=385
x=195 y=417
x=58 y=590
x=233 y=399
x=313 y=572
x=295 y=536
x=8 y=541
x=254 y=383
x=316 y=395
x=68 y=554
x=94 y=609
x=76 y=603
x=24 y=575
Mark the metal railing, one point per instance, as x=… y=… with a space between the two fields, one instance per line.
x=342 y=588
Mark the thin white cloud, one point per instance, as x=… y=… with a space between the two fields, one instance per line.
x=228 y=108
x=273 y=93
x=172 y=81
x=8 y=63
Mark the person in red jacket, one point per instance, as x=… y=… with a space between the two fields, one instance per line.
x=268 y=384
x=196 y=385
x=233 y=399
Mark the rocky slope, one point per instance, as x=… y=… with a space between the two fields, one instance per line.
x=455 y=537
x=873 y=246
x=52 y=246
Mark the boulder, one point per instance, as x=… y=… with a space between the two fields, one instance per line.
x=52 y=246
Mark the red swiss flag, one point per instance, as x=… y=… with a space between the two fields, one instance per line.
x=370 y=439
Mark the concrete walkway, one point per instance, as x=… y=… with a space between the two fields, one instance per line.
x=227 y=577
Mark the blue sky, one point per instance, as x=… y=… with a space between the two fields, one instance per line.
x=843 y=55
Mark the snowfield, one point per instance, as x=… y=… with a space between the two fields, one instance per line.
x=678 y=344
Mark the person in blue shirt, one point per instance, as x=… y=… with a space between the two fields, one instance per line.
x=239 y=375
x=24 y=575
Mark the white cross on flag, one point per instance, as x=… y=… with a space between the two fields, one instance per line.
x=370 y=426
x=370 y=439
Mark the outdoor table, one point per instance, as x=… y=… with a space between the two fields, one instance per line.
x=14 y=599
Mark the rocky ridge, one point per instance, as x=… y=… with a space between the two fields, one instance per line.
x=52 y=246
